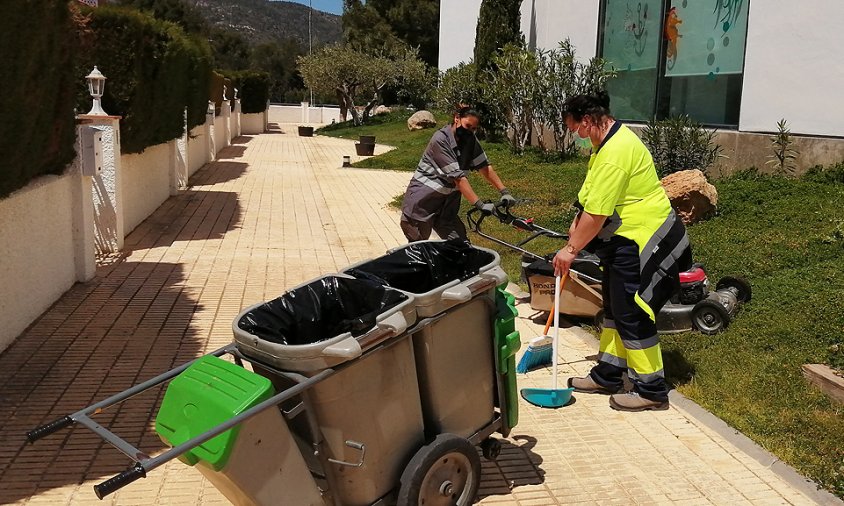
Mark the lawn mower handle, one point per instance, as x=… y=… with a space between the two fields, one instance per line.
x=503 y=214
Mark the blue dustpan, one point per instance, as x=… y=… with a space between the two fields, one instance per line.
x=547 y=398
x=551 y=397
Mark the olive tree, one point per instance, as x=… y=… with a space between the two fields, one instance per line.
x=512 y=89
x=352 y=74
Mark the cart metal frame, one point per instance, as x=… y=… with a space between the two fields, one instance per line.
x=144 y=463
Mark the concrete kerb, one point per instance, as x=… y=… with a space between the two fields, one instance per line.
x=745 y=444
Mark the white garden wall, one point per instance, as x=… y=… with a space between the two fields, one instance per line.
x=145 y=183
x=37 y=248
x=252 y=124
x=197 y=148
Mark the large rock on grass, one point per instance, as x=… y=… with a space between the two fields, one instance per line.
x=421 y=120
x=691 y=195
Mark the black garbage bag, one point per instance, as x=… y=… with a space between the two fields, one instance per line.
x=423 y=266
x=321 y=310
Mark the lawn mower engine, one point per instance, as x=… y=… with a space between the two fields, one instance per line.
x=693 y=307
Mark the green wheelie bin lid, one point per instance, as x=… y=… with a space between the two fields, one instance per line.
x=209 y=392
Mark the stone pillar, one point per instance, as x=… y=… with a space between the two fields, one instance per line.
x=237 y=130
x=179 y=159
x=209 y=126
x=107 y=192
x=226 y=113
x=84 y=239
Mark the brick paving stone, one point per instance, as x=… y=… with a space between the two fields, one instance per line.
x=274 y=211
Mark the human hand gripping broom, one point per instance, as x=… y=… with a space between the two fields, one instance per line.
x=540 y=349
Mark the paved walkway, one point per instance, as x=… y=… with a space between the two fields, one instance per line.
x=274 y=211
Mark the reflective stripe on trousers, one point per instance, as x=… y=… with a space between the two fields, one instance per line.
x=629 y=341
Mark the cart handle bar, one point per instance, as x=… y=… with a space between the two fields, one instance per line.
x=115 y=483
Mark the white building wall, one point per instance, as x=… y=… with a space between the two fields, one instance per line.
x=37 y=248
x=793 y=67
x=458 y=22
x=145 y=183
x=545 y=23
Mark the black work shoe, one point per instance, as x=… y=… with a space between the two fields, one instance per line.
x=632 y=401
x=588 y=386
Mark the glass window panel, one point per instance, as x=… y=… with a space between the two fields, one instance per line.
x=631 y=37
x=704 y=59
x=705 y=37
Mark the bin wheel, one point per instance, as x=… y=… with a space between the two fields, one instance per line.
x=710 y=317
x=445 y=472
x=491 y=448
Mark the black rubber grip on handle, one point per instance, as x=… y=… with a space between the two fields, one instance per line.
x=121 y=480
x=46 y=430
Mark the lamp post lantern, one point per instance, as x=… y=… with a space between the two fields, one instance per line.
x=96 y=85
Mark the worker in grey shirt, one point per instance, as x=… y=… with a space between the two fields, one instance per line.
x=432 y=199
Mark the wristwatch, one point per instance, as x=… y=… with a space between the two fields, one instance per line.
x=571 y=249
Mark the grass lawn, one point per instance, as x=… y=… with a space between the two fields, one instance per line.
x=786 y=237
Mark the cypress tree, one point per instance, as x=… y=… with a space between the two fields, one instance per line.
x=498 y=25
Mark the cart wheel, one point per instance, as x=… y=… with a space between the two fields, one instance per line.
x=445 y=472
x=740 y=287
x=491 y=448
x=710 y=317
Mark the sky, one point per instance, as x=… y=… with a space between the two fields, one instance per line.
x=332 y=6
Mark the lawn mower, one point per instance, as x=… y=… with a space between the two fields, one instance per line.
x=693 y=307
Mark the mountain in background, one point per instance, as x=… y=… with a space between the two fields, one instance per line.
x=262 y=21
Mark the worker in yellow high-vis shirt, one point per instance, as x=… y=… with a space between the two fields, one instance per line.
x=626 y=219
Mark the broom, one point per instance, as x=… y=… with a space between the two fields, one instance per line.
x=540 y=349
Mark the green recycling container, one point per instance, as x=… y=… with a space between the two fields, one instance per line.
x=254 y=463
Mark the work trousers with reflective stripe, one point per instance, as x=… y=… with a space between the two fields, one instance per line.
x=629 y=341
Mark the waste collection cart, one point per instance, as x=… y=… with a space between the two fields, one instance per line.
x=452 y=284
x=383 y=386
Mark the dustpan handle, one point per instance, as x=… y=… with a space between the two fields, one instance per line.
x=558 y=288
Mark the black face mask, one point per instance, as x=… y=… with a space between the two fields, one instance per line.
x=463 y=137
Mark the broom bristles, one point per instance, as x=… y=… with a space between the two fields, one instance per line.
x=539 y=353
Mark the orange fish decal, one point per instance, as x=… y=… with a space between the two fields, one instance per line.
x=672 y=34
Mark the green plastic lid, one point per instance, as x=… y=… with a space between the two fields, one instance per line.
x=208 y=393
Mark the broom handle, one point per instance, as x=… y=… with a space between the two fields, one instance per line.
x=551 y=315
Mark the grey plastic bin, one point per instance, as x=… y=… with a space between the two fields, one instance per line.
x=432 y=301
x=370 y=412
x=321 y=351
x=454 y=352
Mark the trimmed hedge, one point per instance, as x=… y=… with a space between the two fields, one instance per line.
x=253 y=89
x=154 y=72
x=37 y=128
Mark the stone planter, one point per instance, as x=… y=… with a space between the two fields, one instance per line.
x=306 y=131
x=364 y=149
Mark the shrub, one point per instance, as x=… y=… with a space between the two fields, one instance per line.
x=680 y=143
x=783 y=156
x=562 y=75
x=38 y=126
x=154 y=72
x=253 y=89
